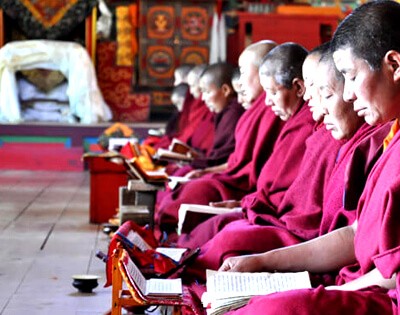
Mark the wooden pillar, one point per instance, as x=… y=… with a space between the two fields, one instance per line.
x=1 y=28
x=90 y=34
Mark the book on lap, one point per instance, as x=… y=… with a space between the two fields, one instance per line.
x=170 y=155
x=148 y=287
x=133 y=238
x=178 y=146
x=181 y=256
x=190 y=215
x=151 y=177
x=231 y=290
x=177 y=151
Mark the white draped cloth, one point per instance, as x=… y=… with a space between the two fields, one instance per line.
x=85 y=99
x=218 y=39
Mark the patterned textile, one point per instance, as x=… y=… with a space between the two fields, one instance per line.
x=126 y=34
x=115 y=83
x=47 y=19
x=172 y=33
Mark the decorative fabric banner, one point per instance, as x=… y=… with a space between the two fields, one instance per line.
x=172 y=33
x=195 y=26
x=194 y=55
x=115 y=83
x=126 y=38
x=48 y=12
x=47 y=19
x=160 y=22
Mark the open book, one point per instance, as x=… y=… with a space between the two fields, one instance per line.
x=190 y=215
x=151 y=177
x=181 y=256
x=178 y=151
x=152 y=287
x=134 y=238
x=178 y=146
x=231 y=290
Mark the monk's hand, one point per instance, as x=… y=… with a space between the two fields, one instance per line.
x=249 y=263
x=225 y=204
x=195 y=174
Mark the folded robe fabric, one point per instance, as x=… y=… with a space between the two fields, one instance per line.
x=356 y=160
x=255 y=134
x=198 y=114
x=203 y=135
x=183 y=122
x=283 y=166
x=224 y=139
x=306 y=224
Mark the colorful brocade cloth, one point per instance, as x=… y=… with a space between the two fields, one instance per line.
x=47 y=19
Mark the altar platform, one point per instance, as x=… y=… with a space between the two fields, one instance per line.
x=53 y=146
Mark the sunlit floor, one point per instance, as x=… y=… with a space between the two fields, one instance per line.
x=46 y=237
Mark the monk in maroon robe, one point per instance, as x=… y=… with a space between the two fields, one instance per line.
x=315 y=196
x=194 y=118
x=226 y=115
x=367 y=251
x=321 y=149
x=255 y=134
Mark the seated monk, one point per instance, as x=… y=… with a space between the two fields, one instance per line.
x=319 y=161
x=194 y=118
x=298 y=216
x=366 y=252
x=218 y=94
x=255 y=134
x=180 y=93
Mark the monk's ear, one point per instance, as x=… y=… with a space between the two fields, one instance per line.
x=298 y=85
x=226 y=90
x=392 y=61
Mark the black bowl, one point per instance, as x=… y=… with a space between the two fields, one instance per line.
x=85 y=283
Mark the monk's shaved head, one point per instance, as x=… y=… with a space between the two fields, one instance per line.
x=258 y=50
x=249 y=63
x=219 y=73
x=193 y=79
x=284 y=63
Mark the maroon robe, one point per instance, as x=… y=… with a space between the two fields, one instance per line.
x=255 y=134
x=277 y=175
x=202 y=137
x=194 y=116
x=224 y=140
x=357 y=158
x=308 y=225
x=376 y=244
x=183 y=123
x=293 y=222
x=315 y=170
x=199 y=115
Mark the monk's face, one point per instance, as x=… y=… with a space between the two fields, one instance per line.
x=375 y=93
x=283 y=101
x=311 y=93
x=193 y=83
x=339 y=117
x=249 y=79
x=216 y=98
x=240 y=97
x=178 y=101
x=178 y=78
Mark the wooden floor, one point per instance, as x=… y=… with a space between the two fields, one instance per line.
x=45 y=238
